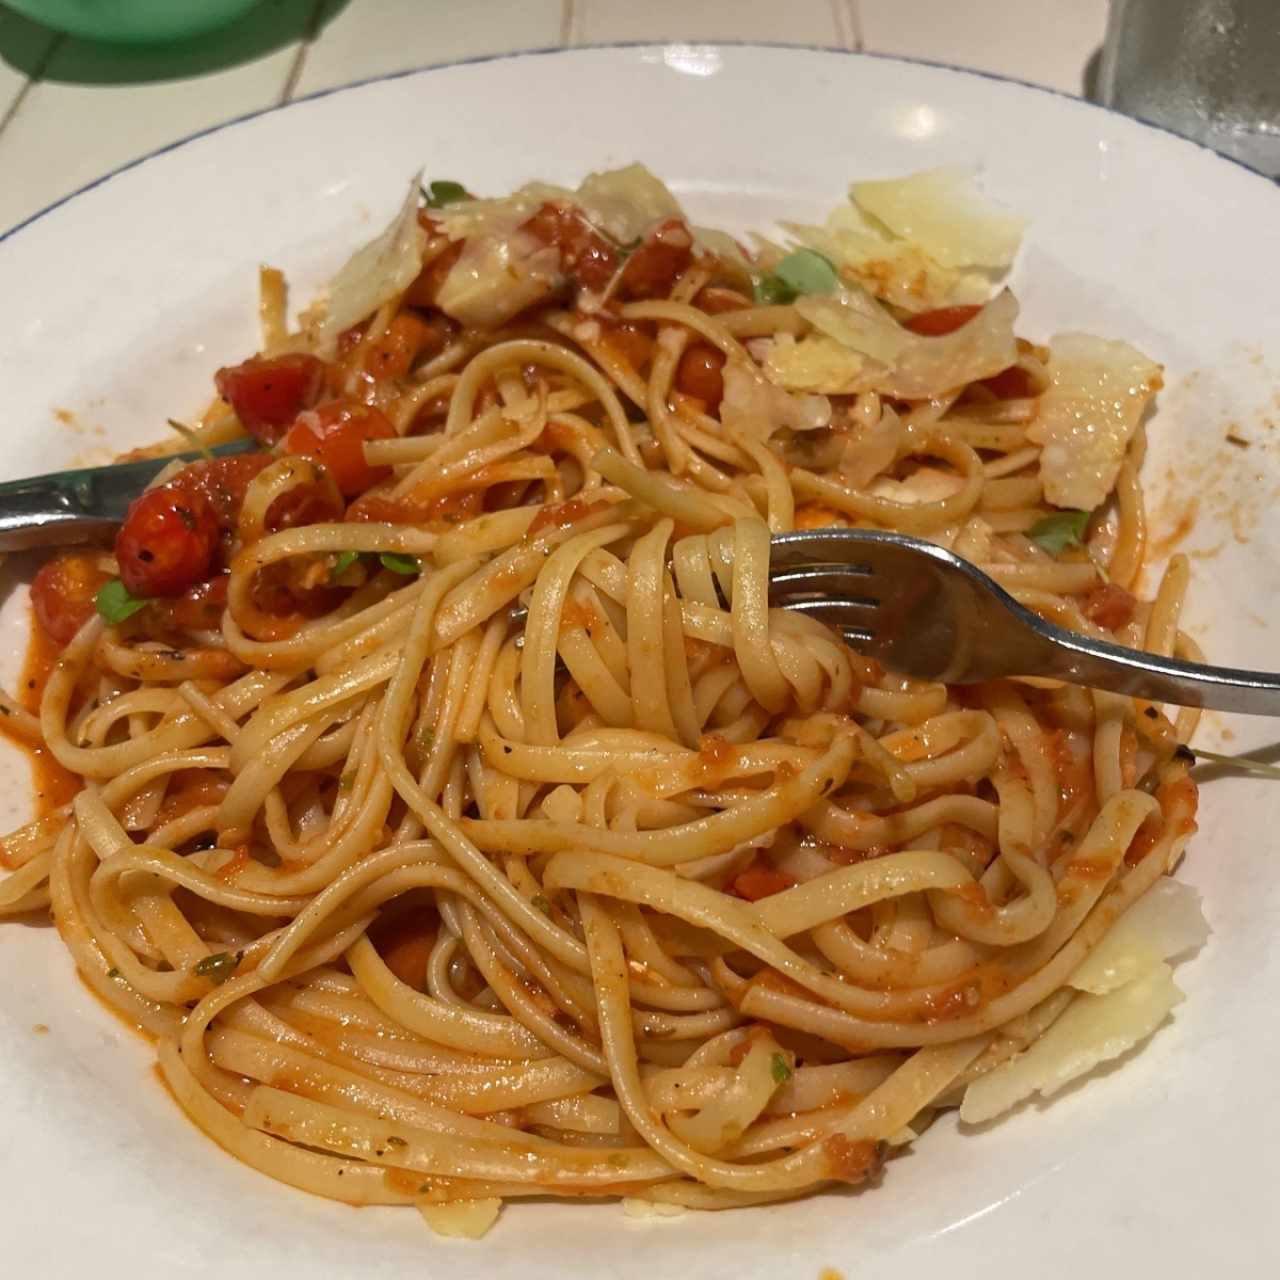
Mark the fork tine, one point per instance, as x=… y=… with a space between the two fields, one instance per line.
x=824 y=580
x=840 y=614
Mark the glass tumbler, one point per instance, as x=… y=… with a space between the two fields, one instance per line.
x=1207 y=69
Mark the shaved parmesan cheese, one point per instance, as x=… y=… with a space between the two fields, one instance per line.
x=634 y=1207
x=464 y=1219
x=889 y=268
x=1165 y=922
x=757 y=408
x=1098 y=391
x=373 y=275
x=1094 y=1029
x=815 y=363
x=939 y=211
x=925 y=484
x=624 y=203
x=916 y=367
x=498 y=275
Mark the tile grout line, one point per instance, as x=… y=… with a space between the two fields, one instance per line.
x=20 y=97
x=857 y=41
x=300 y=58
x=568 y=20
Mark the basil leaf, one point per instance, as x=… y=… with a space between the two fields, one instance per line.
x=219 y=966
x=780 y=1068
x=406 y=565
x=1059 y=531
x=342 y=564
x=807 y=271
x=770 y=291
x=445 y=192
x=115 y=603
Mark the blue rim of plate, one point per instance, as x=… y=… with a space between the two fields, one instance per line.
x=553 y=50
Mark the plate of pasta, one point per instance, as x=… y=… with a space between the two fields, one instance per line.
x=433 y=816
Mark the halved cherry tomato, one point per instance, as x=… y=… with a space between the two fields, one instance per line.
x=700 y=373
x=663 y=256
x=268 y=393
x=940 y=321
x=168 y=541
x=334 y=434
x=584 y=252
x=223 y=481
x=63 y=592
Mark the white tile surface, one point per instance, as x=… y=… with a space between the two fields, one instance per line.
x=372 y=37
x=787 y=21
x=99 y=106
x=1048 y=42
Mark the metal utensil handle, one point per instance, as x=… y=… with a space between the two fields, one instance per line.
x=1102 y=665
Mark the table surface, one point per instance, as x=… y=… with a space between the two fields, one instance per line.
x=71 y=109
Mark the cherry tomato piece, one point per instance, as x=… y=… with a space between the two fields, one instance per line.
x=1110 y=606
x=629 y=342
x=223 y=482
x=334 y=434
x=584 y=252
x=199 y=608
x=268 y=393
x=408 y=337
x=424 y=291
x=940 y=321
x=700 y=373
x=63 y=593
x=663 y=256
x=167 y=542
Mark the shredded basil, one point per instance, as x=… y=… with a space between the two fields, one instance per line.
x=804 y=271
x=115 y=603
x=438 y=194
x=781 y=1068
x=542 y=902
x=1059 y=531
x=406 y=565
x=342 y=564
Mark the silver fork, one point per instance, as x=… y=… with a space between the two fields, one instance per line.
x=923 y=611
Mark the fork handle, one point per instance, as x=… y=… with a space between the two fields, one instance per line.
x=1080 y=660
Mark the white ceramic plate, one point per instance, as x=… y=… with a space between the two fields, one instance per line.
x=118 y=304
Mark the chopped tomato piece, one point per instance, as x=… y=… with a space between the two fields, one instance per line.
x=700 y=373
x=1110 y=606
x=629 y=342
x=268 y=393
x=408 y=337
x=941 y=321
x=760 y=880
x=405 y=940
x=198 y=609
x=63 y=593
x=663 y=256
x=334 y=434
x=584 y=252
x=564 y=514
x=424 y=291
x=167 y=542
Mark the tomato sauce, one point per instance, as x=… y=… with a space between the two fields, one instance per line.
x=53 y=785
